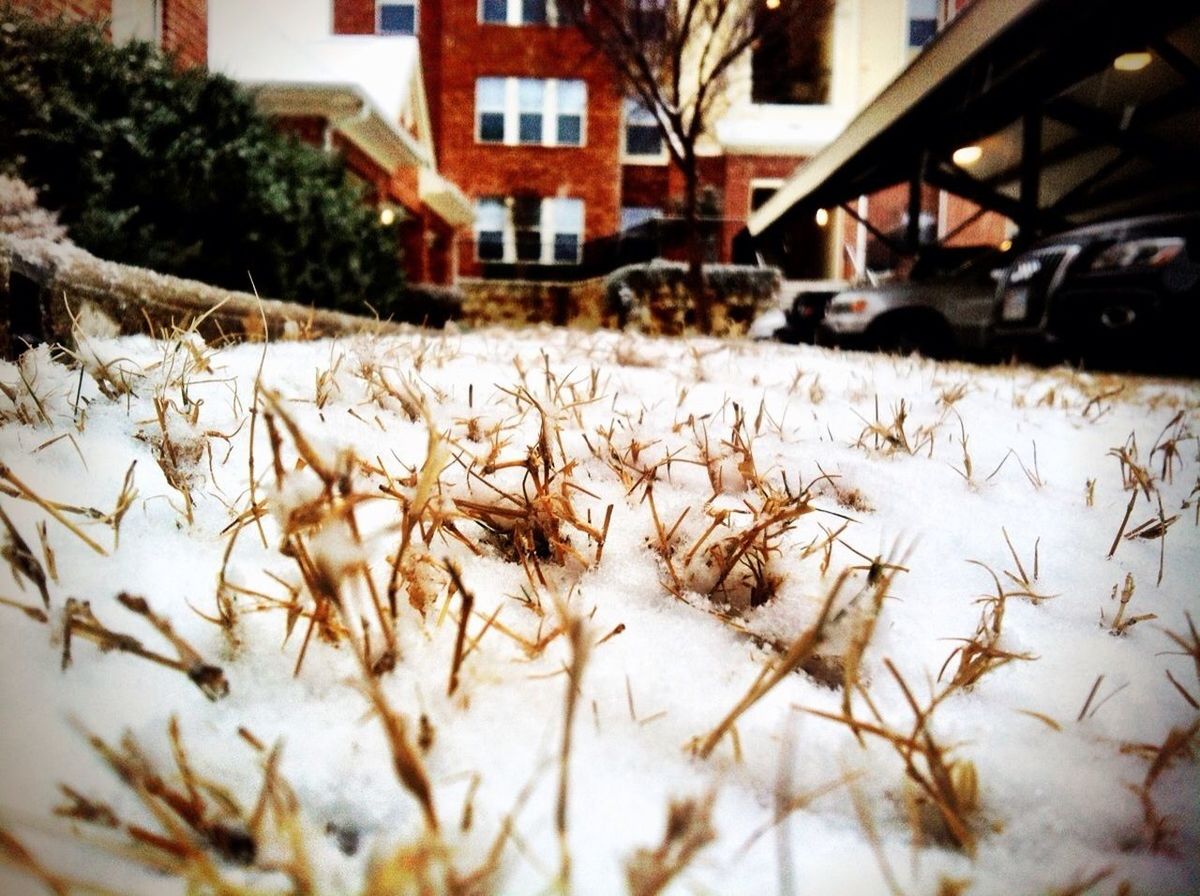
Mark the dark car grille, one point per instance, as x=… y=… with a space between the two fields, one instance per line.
x=1029 y=280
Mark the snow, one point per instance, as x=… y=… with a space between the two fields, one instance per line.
x=657 y=671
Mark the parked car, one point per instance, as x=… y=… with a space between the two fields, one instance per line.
x=801 y=307
x=1122 y=294
x=944 y=307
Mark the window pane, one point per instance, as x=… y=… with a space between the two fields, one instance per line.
x=566 y=248
x=570 y=130
x=642 y=140
x=921 y=31
x=489 y=94
x=792 y=64
x=636 y=113
x=397 y=18
x=533 y=12
x=529 y=245
x=531 y=128
x=636 y=215
x=495 y=11
x=491 y=127
x=568 y=215
x=572 y=97
x=489 y=245
x=527 y=212
x=759 y=196
x=489 y=214
x=531 y=94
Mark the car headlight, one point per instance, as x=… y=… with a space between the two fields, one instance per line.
x=1144 y=253
x=849 y=305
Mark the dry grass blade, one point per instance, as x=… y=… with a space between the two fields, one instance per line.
x=405 y=759
x=578 y=641
x=22 y=561
x=13 y=852
x=468 y=601
x=50 y=508
x=80 y=621
x=689 y=829
x=775 y=671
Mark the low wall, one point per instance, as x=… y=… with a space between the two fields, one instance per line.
x=43 y=286
x=647 y=298
x=517 y=303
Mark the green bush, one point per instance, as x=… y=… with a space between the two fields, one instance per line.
x=176 y=172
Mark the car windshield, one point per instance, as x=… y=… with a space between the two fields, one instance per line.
x=956 y=261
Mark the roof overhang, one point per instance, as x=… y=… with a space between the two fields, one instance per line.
x=447 y=200
x=1107 y=142
x=350 y=112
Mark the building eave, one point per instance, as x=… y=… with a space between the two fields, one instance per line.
x=349 y=112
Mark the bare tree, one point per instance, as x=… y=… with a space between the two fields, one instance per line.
x=677 y=58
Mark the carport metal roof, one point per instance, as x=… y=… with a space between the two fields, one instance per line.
x=1066 y=137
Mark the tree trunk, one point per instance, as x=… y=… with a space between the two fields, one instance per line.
x=694 y=279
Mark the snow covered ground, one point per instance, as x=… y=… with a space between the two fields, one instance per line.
x=854 y=617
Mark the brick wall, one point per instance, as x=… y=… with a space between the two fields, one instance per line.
x=73 y=10
x=469 y=50
x=356 y=16
x=185 y=30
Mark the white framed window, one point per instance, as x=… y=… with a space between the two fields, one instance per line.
x=518 y=12
x=530 y=111
x=529 y=229
x=396 y=18
x=636 y=215
x=562 y=229
x=761 y=191
x=642 y=139
x=491 y=216
x=922 y=22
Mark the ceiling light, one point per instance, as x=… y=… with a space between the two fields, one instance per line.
x=967 y=155
x=822 y=217
x=773 y=4
x=1132 y=62
x=387 y=217
x=1005 y=245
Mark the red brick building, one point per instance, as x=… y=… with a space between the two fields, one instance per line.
x=528 y=119
x=177 y=26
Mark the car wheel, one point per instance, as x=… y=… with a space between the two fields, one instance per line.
x=924 y=336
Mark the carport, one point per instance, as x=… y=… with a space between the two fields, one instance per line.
x=1052 y=112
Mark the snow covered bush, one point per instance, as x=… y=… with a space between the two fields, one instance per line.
x=654 y=297
x=176 y=172
x=21 y=216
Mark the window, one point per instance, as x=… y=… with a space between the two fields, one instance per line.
x=490 y=215
x=647 y=19
x=397 y=18
x=518 y=12
x=572 y=105
x=531 y=94
x=791 y=64
x=530 y=111
x=642 y=136
x=564 y=225
x=633 y=216
x=529 y=229
x=761 y=191
x=489 y=109
x=922 y=22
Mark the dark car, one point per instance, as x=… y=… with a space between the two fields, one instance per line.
x=943 y=308
x=1123 y=294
